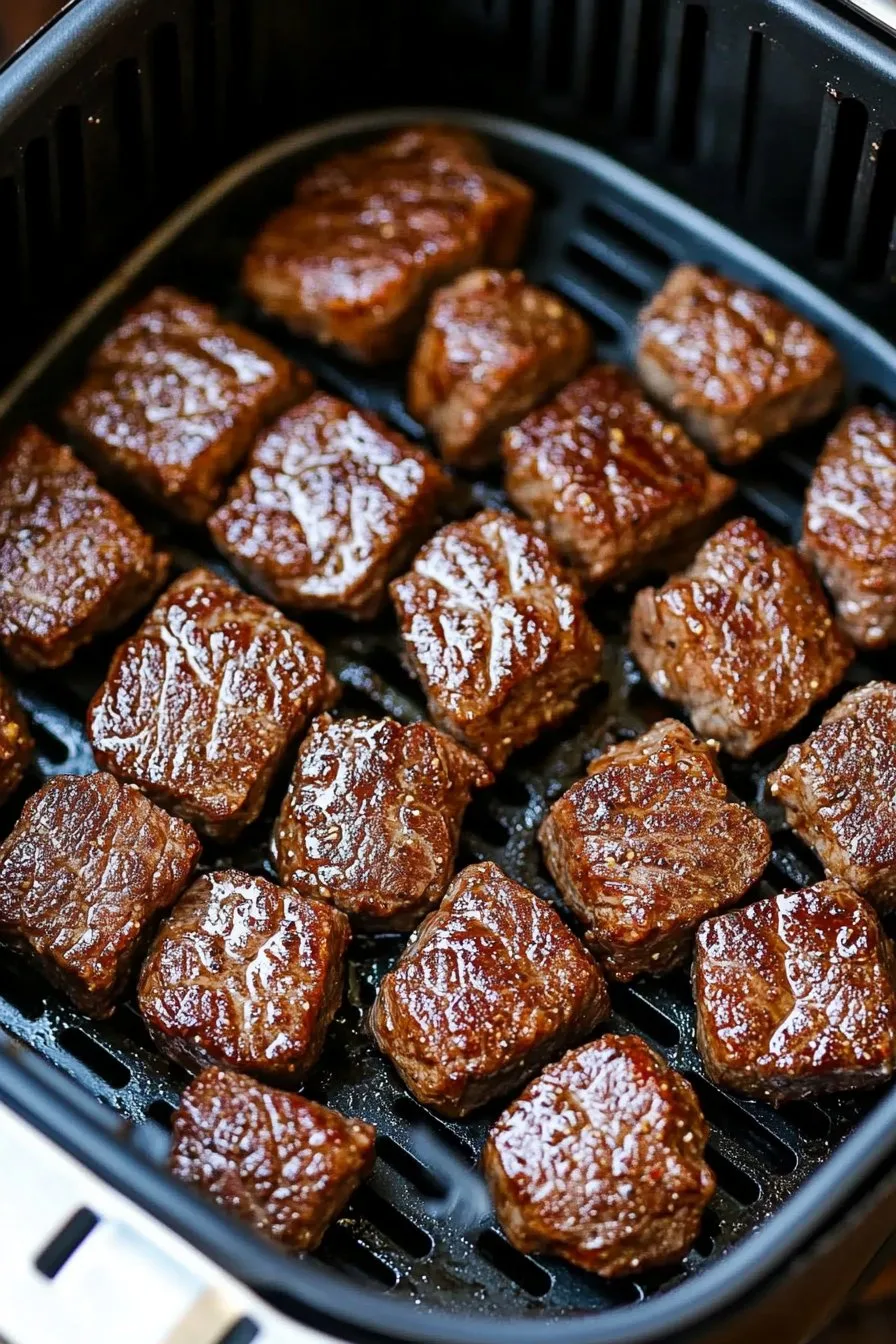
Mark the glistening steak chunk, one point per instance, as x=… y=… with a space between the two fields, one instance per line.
x=495 y=629
x=245 y=974
x=373 y=815
x=491 y=986
x=600 y=1161
x=87 y=869
x=16 y=743
x=743 y=639
x=649 y=845
x=201 y=703
x=280 y=1162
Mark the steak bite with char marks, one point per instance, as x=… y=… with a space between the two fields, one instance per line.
x=16 y=742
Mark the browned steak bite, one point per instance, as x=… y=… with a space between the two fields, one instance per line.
x=649 y=845
x=373 y=815
x=492 y=348
x=491 y=986
x=174 y=397
x=795 y=995
x=201 y=703
x=330 y=506
x=279 y=1161
x=612 y=482
x=246 y=974
x=600 y=1161
x=849 y=524
x=495 y=629
x=734 y=365
x=83 y=876
x=73 y=562
x=744 y=639
x=16 y=742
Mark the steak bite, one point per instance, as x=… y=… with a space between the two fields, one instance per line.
x=200 y=705
x=174 y=397
x=16 y=742
x=331 y=504
x=492 y=348
x=246 y=974
x=88 y=867
x=372 y=818
x=491 y=986
x=600 y=1161
x=373 y=232
x=495 y=630
x=735 y=366
x=743 y=639
x=281 y=1162
x=73 y=562
x=610 y=480
x=649 y=845
x=795 y=995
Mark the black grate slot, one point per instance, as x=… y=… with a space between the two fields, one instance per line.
x=39 y=218
x=520 y=33
x=686 y=111
x=69 y=142
x=410 y=1109
x=648 y=60
x=604 y=58
x=645 y=1016
x=605 y=277
x=243 y=1332
x=409 y=1167
x=408 y=1237
x=343 y=1250
x=734 y=1118
x=24 y=992
x=67 y=1240
x=732 y=1178
x=877 y=241
x=846 y=154
x=559 y=39
x=205 y=64
x=525 y=1272
x=128 y=105
x=752 y=87
x=239 y=91
x=628 y=238
x=95 y=1056
x=162 y=1112
x=709 y=1230
x=167 y=107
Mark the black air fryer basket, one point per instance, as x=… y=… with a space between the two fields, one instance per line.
x=757 y=137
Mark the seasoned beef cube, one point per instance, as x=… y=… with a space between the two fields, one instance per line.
x=795 y=995
x=735 y=366
x=372 y=817
x=849 y=525
x=246 y=974
x=610 y=481
x=649 y=845
x=73 y=562
x=492 y=348
x=279 y=1161
x=331 y=505
x=495 y=629
x=743 y=639
x=201 y=703
x=371 y=234
x=491 y=986
x=174 y=397
x=83 y=877
x=16 y=743
x=600 y=1161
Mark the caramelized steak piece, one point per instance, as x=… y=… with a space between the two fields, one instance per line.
x=743 y=639
x=201 y=703
x=491 y=986
x=246 y=974
x=492 y=348
x=16 y=743
x=735 y=366
x=611 y=481
x=600 y=1161
x=371 y=234
x=332 y=503
x=496 y=631
x=174 y=397
x=73 y=562
x=83 y=877
x=649 y=845
x=373 y=815
x=280 y=1162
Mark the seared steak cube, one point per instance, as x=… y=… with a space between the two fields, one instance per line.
x=371 y=234
x=611 y=481
x=600 y=1161
x=16 y=743
x=279 y=1161
x=330 y=506
x=174 y=397
x=373 y=815
x=743 y=639
x=735 y=366
x=73 y=562
x=492 y=985
x=492 y=348
x=83 y=876
x=246 y=974
x=201 y=703
x=495 y=630
x=649 y=845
